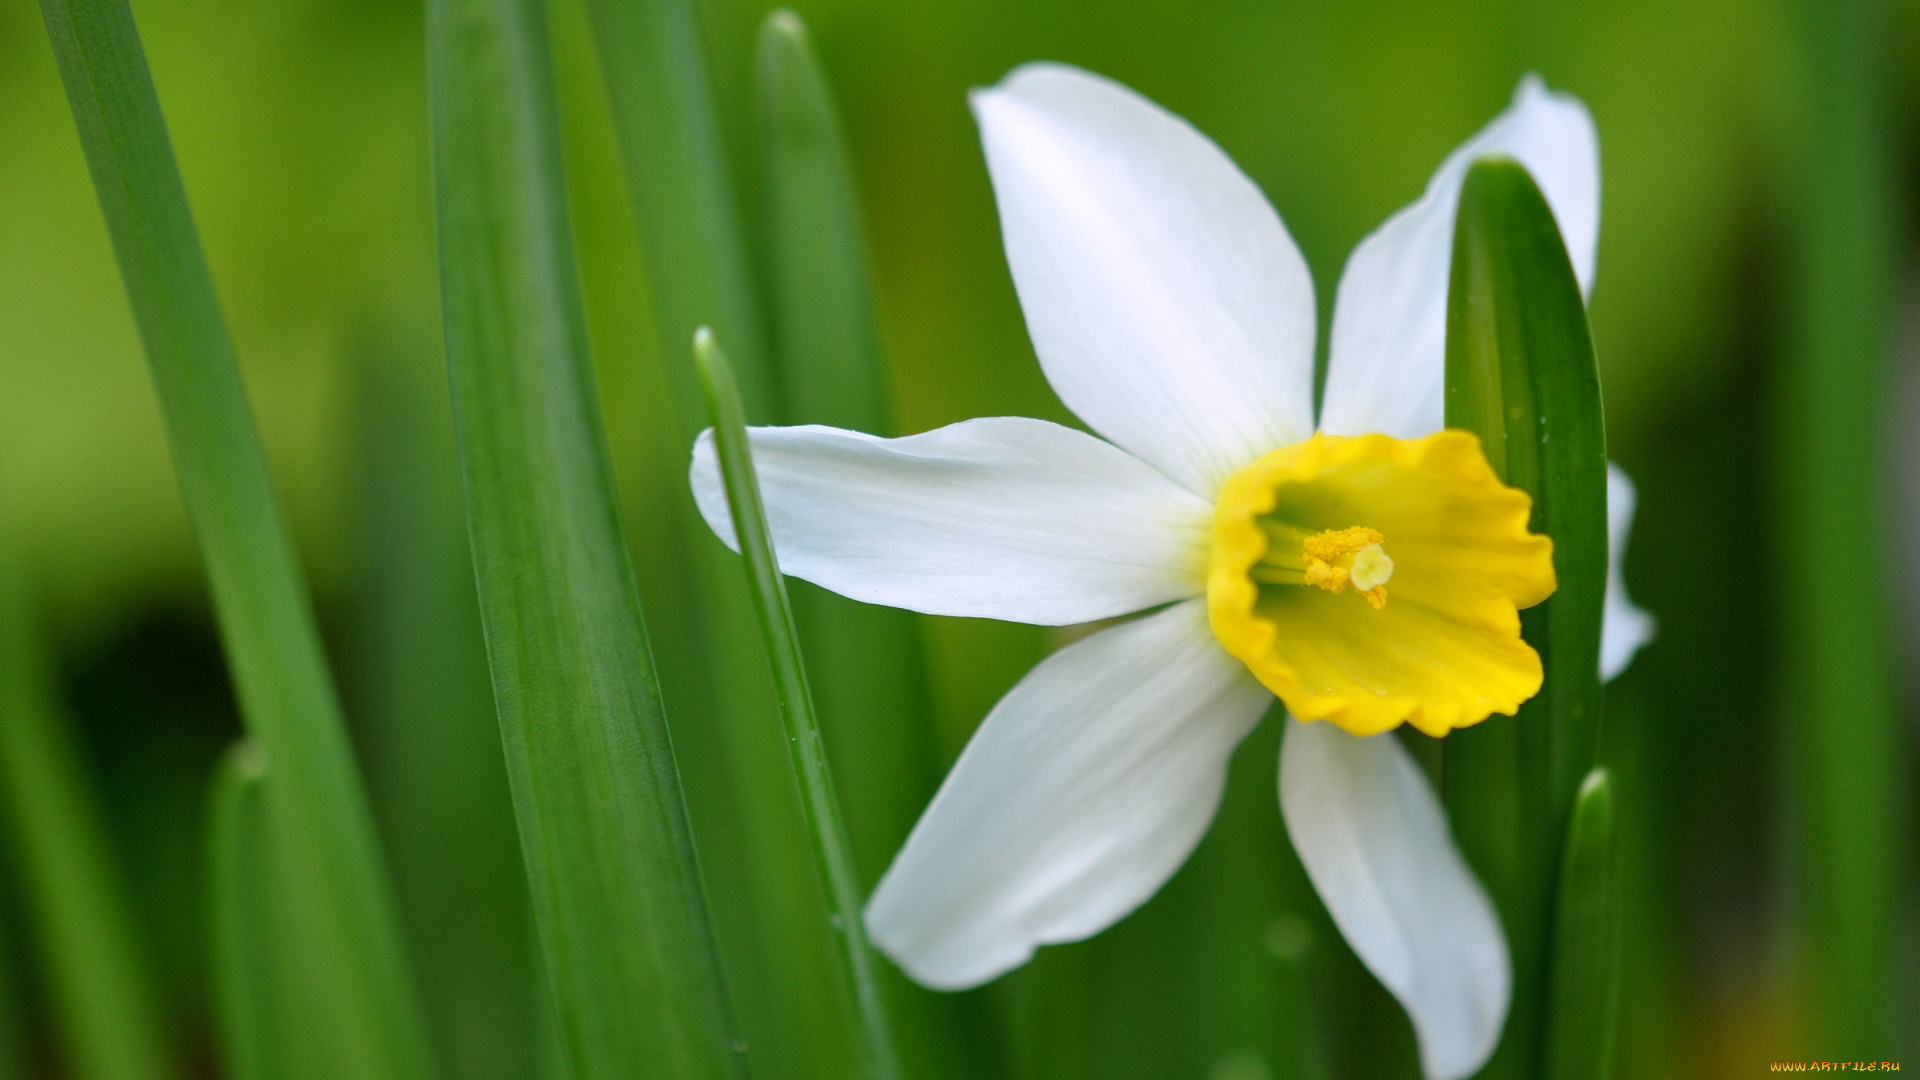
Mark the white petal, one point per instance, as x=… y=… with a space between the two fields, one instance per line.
x=1387 y=366
x=1374 y=840
x=1170 y=309
x=1624 y=625
x=1085 y=789
x=998 y=518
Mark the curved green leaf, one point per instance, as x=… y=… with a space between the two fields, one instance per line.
x=357 y=991
x=866 y=663
x=654 y=63
x=616 y=889
x=826 y=828
x=827 y=345
x=1844 y=738
x=772 y=915
x=1585 y=999
x=252 y=958
x=63 y=863
x=1521 y=374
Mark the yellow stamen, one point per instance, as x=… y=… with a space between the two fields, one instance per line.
x=1339 y=557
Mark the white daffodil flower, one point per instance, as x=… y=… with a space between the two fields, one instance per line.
x=1368 y=573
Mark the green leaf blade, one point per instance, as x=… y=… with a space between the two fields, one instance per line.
x=1585 y=991
x=437 y=775
x=104 y=1002
x=865 y=663
x=1521 y=373
x=1844 y=739
x=833 y=852
x=654 y=64
x=779 y=949
x=826 y=340
x=358 y=988
x=251 y=959
x=1520 y=313
x=616 y=888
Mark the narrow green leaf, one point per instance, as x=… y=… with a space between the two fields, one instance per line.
x=865 y=662
x=1519 y=348
x=1585 y=996
x=357 y=992
x=827 y=344
x=438 y=780
x=616 y=888
x=1521 y=374
x=103 y=995
x=252 y=961
x=778 y=945
x=1844 y=741
x=831 y=848
x=654 y=64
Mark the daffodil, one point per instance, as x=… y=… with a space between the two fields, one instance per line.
x=1367 y=570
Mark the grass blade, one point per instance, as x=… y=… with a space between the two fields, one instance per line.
x=866 y=663
x=827 y=344
x=253 y=1011
x=617 y=893
x=103 y=996
x=831 y=848
x=774 y=918
x=1521 y=373
x=1516 y=315
x=358 y=991
x=438 y=780
x=1585 y=999
x=1842 y=730
x=654 y=64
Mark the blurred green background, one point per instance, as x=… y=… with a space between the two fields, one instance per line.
x=300 y=126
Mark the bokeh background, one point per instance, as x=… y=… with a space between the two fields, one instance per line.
x=301 y=130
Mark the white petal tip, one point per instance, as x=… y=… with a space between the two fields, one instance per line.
x=978 y=96
x=1041 y=70
x=1625 y=626
x=1018 y=79
x=1374 y=840
x=933 y=966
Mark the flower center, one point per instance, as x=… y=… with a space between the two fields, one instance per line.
x=1331 y=559
x=1447 y=652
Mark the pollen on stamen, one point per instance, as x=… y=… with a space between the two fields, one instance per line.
x=1337 y=558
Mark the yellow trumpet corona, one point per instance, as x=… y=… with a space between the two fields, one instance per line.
x=1447 y=651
